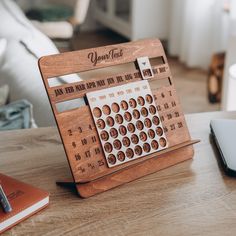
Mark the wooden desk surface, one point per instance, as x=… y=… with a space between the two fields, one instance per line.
x=191 y=198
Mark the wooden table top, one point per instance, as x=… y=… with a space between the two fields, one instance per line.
x=191 y=198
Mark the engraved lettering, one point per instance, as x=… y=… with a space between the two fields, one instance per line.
x=58 y=92
x=112 y=54
x=80 y=87
x=110 y=81
x=128 y=77
x=69 y=89
x=91 y=85
x=119 y=79
x=101 y=83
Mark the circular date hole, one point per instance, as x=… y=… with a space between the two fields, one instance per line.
x=110 y=121
x=113 y=132
x=122 y=130
x=126 y=141
x=141 y=101
x=146 y=147
x=129 y=153
x=152 y=110
x=151 y=133
x=117 y=144
x=120 y=156
x=149 y=98
x=124 y=105
x=111 y=159
x=162 y=142
x=143 y=136
x=138 y=150
x=119 y=119
x=154 y=144
x=127 y=116
x=132 y=103
x=108 y=147
x=100 y=124
x=97 y=112
x=115 y=107
x=159 y=131
x=134 y=139
x=104 y=135
x=136 y=114
x=155 y=120
x=106 y=110
x=139 y=125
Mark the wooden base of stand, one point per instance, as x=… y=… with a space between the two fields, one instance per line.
x=118 y=178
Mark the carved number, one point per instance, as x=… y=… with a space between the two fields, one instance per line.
x=176 y=114
x=101 y=162
x=91 y=166
x=94 y=139
x=166 y=106
x=97 y=151
x=169 y=116
x=84 y=141
x=172 y=127
x=77 y=157
x=158 y=107
x=173 y=104
x=87 y=154
x=81 y=169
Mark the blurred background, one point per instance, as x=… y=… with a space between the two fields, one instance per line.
x=199 y=38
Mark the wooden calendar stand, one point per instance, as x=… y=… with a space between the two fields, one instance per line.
x=91 y=169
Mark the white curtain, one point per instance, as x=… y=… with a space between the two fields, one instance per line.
x=198 y=28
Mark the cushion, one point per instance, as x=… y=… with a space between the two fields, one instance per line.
x=3 y=45
x=56 y=30
x=20 y=71
x=13 y=18
x=19 y=61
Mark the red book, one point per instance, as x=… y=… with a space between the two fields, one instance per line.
x=25 y=201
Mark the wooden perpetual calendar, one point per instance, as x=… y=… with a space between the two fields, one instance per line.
x=131 y=123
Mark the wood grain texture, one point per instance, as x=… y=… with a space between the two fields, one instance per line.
x=77 y=129
x=192 y=198
x=78 y=61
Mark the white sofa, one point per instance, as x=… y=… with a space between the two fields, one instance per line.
x=22 y=46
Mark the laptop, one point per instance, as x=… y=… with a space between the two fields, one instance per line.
x=223 y=132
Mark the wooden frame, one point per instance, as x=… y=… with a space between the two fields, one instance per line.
x=91 y=174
